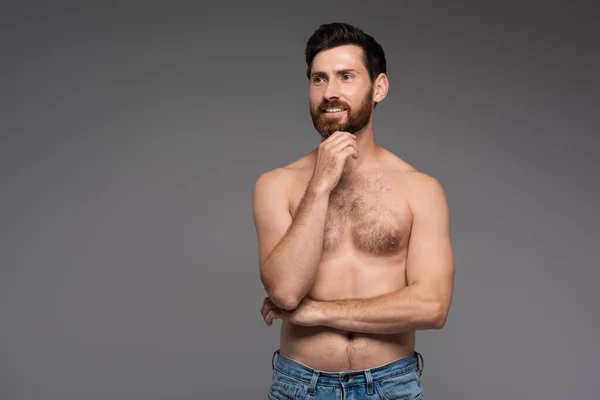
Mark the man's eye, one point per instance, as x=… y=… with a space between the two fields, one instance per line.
x=347 y=76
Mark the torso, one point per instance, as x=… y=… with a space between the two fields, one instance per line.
x=365 y=243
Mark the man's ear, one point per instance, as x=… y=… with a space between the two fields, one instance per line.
x=380 y=88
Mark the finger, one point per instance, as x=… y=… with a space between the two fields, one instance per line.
x=340 y=136
x=342 y=144
x=268 y=308
x=333 y=136
x=267 y=302
x=348 y=149
x=264 y=304
x=271 y=315
x=276 y=313
x=269 y=318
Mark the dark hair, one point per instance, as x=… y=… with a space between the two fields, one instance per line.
x=335 y=34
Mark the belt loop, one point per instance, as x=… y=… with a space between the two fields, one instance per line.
x=313 y=383
x=369 y=381
x=273 y=358
x=420 y=363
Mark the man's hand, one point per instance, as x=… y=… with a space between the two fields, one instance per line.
x=331 y=158
x=308 y=312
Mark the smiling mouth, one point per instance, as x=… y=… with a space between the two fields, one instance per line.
x=334 y=110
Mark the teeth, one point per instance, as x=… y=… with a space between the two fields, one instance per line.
x=334 y=110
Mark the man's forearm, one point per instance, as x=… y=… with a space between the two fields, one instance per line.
x=403 y=310
x=289 y=271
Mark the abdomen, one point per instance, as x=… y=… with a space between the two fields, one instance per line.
x=348 y=275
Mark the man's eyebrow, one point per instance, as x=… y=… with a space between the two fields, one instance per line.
x=337 y=72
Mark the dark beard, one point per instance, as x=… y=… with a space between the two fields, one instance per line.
x=352 y=122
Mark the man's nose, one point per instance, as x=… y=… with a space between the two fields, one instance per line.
x=332 y=90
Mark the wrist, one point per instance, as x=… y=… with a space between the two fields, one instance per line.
x=323 y=312
x=317 y=191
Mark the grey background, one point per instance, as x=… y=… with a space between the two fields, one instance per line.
x=131 y=137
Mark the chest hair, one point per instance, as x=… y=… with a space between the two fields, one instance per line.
x=358 y=212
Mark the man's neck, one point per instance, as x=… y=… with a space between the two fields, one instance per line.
x=367 y=152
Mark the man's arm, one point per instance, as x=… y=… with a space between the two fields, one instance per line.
x=289 y=251
x=425 y=301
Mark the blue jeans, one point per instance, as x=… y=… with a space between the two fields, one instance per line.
x=397 y=380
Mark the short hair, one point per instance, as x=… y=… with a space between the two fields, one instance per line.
x=335 y=34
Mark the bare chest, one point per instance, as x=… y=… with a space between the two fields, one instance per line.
x=368 y=214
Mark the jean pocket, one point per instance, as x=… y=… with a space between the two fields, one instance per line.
x=283 y=388
x=402 y=387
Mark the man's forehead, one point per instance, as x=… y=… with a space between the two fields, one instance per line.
x=339 y=58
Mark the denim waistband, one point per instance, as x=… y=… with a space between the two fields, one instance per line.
x=311 y=376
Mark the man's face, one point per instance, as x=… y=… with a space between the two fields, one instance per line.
x=341 y=93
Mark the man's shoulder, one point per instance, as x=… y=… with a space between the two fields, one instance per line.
x=280 y=179
x=420 y=181
x=409 y=175
x=285 y=174
x=418 y=185
x=271 y=182
x=424 y=192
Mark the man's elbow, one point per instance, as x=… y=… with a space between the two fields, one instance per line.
x=281 y=297
x=438 y=316
x=285 y=301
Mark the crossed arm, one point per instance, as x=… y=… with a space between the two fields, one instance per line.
x=423 y=304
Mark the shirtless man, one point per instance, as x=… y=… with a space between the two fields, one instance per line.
x=354 y=243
